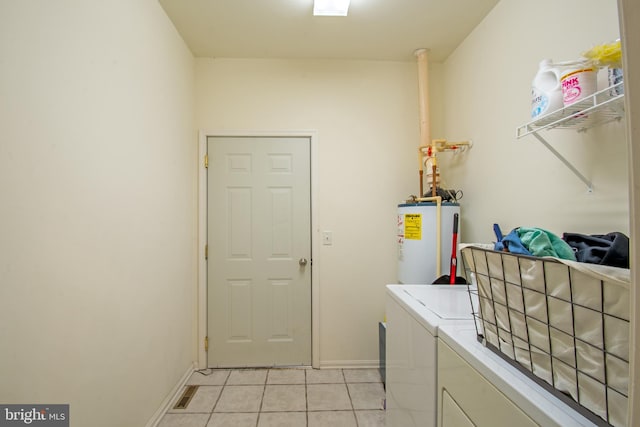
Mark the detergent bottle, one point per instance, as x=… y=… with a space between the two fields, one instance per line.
x=546 y=90
x=579 y=80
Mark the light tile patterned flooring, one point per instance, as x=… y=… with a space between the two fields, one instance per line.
x=283 y=398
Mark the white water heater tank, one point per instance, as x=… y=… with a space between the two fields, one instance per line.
x=417 y=241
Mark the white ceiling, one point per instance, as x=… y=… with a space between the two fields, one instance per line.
x=374 y=29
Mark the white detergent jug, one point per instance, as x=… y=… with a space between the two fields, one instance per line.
x=546 y=90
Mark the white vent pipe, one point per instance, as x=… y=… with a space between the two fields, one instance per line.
x=423 y=97
x=425 y=141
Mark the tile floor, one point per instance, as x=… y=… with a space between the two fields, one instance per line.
x=282 y=397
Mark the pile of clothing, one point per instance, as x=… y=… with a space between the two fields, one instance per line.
x=610 y=249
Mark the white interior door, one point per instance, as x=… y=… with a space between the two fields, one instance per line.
x=259 y=262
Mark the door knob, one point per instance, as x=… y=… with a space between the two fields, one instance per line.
x=302 y=262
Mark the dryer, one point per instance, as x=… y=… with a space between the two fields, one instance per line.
x=414 y=313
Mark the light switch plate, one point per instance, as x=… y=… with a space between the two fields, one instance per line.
x=327 y=238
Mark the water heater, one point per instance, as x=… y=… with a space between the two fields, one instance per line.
x=417 y=241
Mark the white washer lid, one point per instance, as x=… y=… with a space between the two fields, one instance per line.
x=445 y=301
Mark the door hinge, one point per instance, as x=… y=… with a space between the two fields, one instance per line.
x=206 y=160
x=206 y=343
x=206 y=251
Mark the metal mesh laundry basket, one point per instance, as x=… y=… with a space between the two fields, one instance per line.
x=565 y=324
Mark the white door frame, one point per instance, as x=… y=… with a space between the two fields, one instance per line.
x=202 y=237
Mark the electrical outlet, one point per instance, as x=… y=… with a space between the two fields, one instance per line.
x=327 y=238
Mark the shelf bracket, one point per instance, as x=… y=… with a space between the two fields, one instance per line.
x=565 y=161
x=601 y=107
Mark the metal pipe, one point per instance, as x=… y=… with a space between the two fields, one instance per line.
x=434 y=175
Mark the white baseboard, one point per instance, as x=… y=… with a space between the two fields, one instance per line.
x=166 y=403
x=346 y=364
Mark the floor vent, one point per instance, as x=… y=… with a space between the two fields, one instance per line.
x=184 y=400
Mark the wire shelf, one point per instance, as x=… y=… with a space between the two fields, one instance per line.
x=599 y=108
x=563 y=328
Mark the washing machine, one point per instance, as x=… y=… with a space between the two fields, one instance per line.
x=434 y=360
x=414 y=313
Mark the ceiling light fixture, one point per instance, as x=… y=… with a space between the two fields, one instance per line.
x=330 y=7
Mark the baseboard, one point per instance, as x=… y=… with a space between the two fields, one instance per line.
x=166 y=403
x=352 y=364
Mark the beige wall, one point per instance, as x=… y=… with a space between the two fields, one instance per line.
x=98 y=212
x=365 y=115
x=519 y=182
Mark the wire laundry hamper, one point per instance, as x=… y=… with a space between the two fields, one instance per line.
x=564 y=324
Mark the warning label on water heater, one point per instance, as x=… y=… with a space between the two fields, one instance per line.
x=413 y=226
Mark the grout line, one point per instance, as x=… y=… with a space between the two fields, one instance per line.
x=217 y=400
x=306 y=399
x=211 y=413
x=226 y=379
x=264 y=390
x=348 y=393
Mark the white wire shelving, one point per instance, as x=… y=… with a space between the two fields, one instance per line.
x=600 y=108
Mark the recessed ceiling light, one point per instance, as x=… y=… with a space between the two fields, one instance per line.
x=330 y=7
